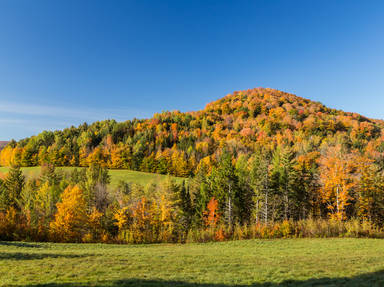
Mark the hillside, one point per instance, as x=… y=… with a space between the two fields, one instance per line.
x=264 y=164
x=3 y=144
x=175 y=142
x=117 y=175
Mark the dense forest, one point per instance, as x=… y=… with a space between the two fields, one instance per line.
x=259 y=161
x=3 y=144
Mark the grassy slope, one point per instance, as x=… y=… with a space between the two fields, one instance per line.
x=138 y=177
x=287 y=262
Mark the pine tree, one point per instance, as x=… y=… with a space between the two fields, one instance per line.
x=200 y=195
x=12 y=188
x=224 y=185
x=243 y=174
x=261 y=185
x=185 y=205
x=95 y=185
x=284 y=178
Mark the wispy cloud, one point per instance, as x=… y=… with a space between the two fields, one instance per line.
x=37 y=110
x=20 y=128
x=84 y=113
x=11 y=121
x=19 y=120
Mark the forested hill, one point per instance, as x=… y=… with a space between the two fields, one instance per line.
x=3 y=144
x=181 y=143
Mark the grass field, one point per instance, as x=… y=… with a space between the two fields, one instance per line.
x=286 y=262
x=138 y=177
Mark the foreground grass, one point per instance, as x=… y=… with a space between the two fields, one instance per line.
x=287 y=262
x=142 y=178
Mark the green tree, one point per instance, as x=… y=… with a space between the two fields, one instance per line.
x=185 y=205
x=94 y=184
x=224 y=186
x=12 y=188
x=261 y=185
x=284 y=178
x=245 y=188
x=200 y=195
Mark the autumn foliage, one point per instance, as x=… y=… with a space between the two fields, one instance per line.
x=211 y=216
x=261 y=163
x=175 y=142
x=336 y=173
x=71 y=217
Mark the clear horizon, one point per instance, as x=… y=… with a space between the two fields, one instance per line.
x=69 y=62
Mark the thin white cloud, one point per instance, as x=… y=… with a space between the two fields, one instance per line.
x=20 y=120
x=31 y=125
x=11 y=121
x=85 y=114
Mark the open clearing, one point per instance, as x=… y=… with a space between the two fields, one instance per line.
x=285 y=262
x=138 y=177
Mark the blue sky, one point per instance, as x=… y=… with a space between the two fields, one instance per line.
x=65 y=62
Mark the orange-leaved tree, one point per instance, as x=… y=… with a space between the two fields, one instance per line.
x=337 y=181
x=211 y=215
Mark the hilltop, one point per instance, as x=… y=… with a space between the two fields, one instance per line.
x=176 y=142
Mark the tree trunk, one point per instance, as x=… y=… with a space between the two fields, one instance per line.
x=229 y=206
x=337 y=201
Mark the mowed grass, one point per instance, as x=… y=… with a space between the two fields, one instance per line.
x=285 y=262
x=142 y=178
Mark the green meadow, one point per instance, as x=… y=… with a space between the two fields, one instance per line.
x=286 y=262
x=138 y=177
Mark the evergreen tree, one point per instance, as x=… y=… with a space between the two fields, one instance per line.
x=245 y=189
x=261 y=185
x=185 y=205
x=200 y=195
x=225 y=189
x=284 y=179
x=12 y=188
x=94 y=181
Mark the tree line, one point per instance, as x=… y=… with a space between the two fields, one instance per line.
x=265 y=195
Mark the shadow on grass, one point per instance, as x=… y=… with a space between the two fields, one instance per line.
x=369 y=279
x=20 y=244
x=36 y=256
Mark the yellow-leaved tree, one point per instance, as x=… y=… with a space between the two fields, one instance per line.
x=369 y=195
x=71 y=220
